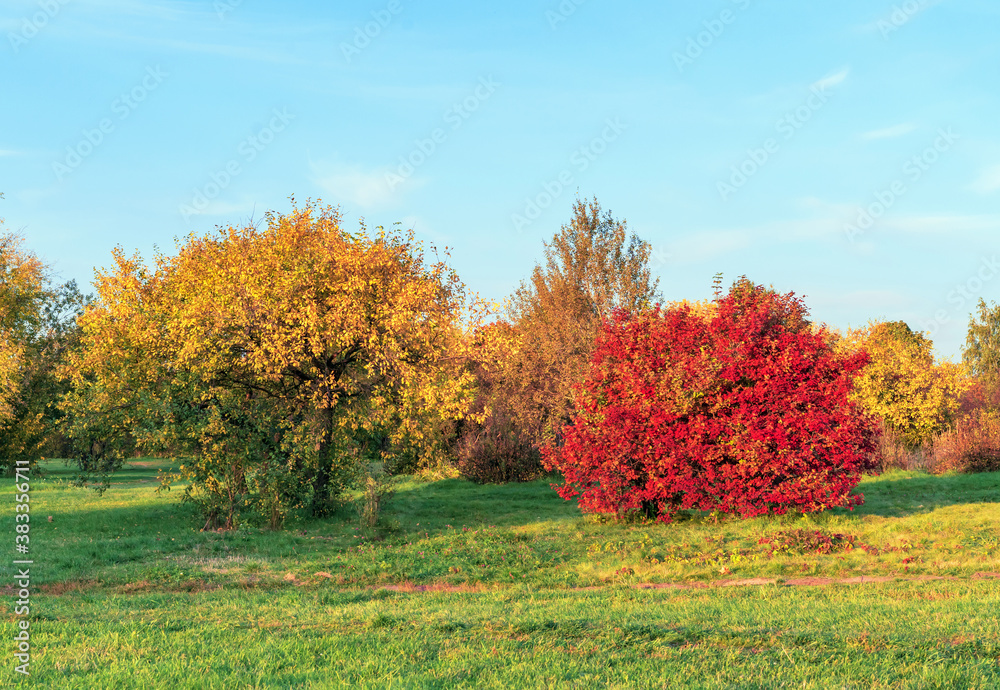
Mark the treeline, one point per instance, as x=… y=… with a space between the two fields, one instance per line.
x=291 y=360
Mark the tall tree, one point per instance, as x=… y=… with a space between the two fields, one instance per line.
x=982 y=350
x=592 y=266
x=22 y=294
x=37 y=325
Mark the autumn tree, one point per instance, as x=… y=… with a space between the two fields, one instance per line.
x=915 y=396
x=492 y=445
x=744 y=408
x=272 y=354
x=37 y=326
x=592 y=266
x=22 y=294
x=981 y=353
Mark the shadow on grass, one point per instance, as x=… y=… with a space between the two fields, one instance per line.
x=138 y=470
x=431 y=508
x=457 y=503
x=897 y=494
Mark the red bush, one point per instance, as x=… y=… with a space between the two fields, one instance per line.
x=746 y=411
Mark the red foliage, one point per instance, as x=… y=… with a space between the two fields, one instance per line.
x=746 y=411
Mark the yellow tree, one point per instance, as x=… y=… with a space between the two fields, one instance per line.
x=915 y=396
x=22 y=283
x=269 y=352
x=981 y=353
x=37 y=326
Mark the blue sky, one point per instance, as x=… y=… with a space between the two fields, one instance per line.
x=847 y=151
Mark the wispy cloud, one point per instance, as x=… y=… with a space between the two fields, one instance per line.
x=165 y=11
x=198 y=22
x=988 y=181
x=896 y=16
x=168 y=11
x=709 y=244
x=369 y=189
x=233 y=211
x=943 y=224
x=890 y=132
x=873 y=301
x=832 y=80
x=827 y=225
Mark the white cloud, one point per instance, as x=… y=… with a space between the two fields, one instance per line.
x=945 y=225
x=896 y=17
x=369 y=189
x=833 y=79
x=988 y=180
x=890 y=132
x=887 y=301
x=231 y=212
x=826 y=225
x=709 y=244
x=35 y=196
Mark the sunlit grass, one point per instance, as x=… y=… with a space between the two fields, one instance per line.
x=459 y=533
x=131 y=593
x=903 y=635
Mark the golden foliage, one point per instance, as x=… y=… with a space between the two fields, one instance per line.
x=915 y=396
x=282 y=346
x=22 y=280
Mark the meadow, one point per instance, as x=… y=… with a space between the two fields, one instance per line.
x=464 y=585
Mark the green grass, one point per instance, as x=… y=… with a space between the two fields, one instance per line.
x=899 y=635
x=128 y=592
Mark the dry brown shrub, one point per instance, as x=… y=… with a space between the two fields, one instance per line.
x=893 y=454
x=971 y=445
x=497 y=451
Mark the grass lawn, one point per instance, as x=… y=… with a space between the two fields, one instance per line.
x=508 y=586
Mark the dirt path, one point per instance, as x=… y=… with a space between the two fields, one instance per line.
x=747 y=582
x=196 y=586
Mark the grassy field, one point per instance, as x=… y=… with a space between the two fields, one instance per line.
x=508 y=586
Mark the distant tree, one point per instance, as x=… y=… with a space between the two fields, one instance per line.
x=915 y=396
x=37 y=325
x=982 y=351
x=22 y=294
x=592 y=267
